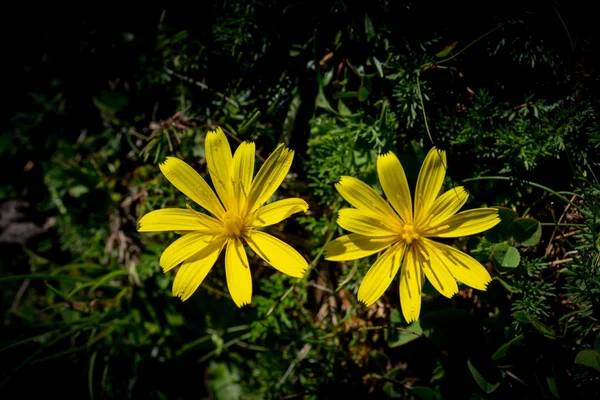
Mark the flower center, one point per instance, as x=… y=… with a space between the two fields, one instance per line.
x=409 y=233
x=234 y=224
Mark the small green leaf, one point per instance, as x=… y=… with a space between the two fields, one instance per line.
x=78 y=190
x=404 y=337
x=486 y=386
x=363 y=93
x=346 y=95
x=597 y=343
x=343 y=109
x=552 y=386
x=501 y=232
x=588 y=358
x=521 y=316
x=446 y=51
x=526 y=231
x=544 y=329
x=501 y=352
x=369 y=28
x=505 y=255
x=378 y=66
x=425 y=393
x=525 y=317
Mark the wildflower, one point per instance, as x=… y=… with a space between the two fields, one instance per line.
x=406 y=231
x=235 y=221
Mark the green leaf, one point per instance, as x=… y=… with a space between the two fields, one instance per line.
x=446 y=51
x=526 y=231
x=223 y=383
x=404 y=337
x=501 y=232
x=544 y=329
x=425 y=393
x=389 y=387
x=378 y=66
x=322 y=101
x=369 y=28
x=91 y=374
x=501 y=352
x=363 y=93
x=521 y=316
x=597 y=343
x=506 y=256
x=343 y=109
x=525 y=317
x=552 y=386
x=486 y=386
x=109 y=100
x=588 y=358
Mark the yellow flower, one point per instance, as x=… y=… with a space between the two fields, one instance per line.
x=237 y=216
x=407 y=232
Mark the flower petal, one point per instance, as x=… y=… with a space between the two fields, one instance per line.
x=462 y=266
x=437 y=273
x=269 y=177
x=194 y=270
x=278 y=254
x=278 y=211
x=429 y=182
x=220 y=166
x=358 y=221
x=447 y=205
x=184 y=178
x=363 y=197
x=394 y=184
x=185 y=247
x=411 y=285
x=237 y=269
x=354 y=246
x=381 y=274
x=177 y=219
x=465 y=223
x=243 y=171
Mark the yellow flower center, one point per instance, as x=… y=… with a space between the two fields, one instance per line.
x=234 y=224
x=409 y=233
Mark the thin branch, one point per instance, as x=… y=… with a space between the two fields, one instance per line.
x=202 y=85
x=469 y=45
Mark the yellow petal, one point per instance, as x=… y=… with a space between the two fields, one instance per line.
x=243 y=171
x=278 y=254
x=184 y=178
x=462 y=266
x=447 y=205
x=363 y=197
x=185 y=247
x=237 y=269
x=269 y=177
x=466 y=223
x=429 y=182
x=354 y=246
x=358 y=221
x=381 y=274
x=437 y=273
x=411 y=284
x=394 y=184
x=220 y=166
x=194 y=270
x=177 y=219
x=278 y=211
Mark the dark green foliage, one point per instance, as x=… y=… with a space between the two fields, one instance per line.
x=95 y=102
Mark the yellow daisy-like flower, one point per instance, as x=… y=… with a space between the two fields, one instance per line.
x=407 y=231
x=237 y=216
